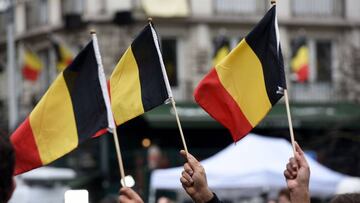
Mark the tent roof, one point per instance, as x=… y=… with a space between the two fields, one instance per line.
x=255 y=162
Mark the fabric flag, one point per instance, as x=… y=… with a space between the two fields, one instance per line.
x=139 y=81
x=222 y=49
x=300 y=63
x=243 y=87
x=64 y=55
x=72 y=110
x=32 y=66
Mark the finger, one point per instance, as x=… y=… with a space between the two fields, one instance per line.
x=129 y=193
x=187 y=177
x=293 y=163
x=298 y=149
x=300 y=156
x=183 y=154
x=123 y=199
x=193 y=162
x=188 y=169
x=291 y=170
x=184 y=182
x=288 y=175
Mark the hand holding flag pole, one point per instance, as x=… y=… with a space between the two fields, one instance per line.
x=112 y=125
x=167 y=84
x=273 y=2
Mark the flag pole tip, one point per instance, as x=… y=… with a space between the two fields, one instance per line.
x=150 y=19
x=92 y=31
x=273 y=2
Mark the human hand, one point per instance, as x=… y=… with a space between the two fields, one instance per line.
x=297 y=175
x=127 y=195
x=193 y=180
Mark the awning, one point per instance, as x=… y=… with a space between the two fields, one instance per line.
x=305 y=116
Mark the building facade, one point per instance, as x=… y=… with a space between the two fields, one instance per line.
x=329 y=29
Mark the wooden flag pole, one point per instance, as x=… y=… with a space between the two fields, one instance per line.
x=110 y=116
x=292 y=137
x=289 y=120
x=179 y=125
x=167 y=84
x=119 y=156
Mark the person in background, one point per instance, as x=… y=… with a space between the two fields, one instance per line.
x=7 y=164
x=346 y=198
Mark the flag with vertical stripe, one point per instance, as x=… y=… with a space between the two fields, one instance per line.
x=300 y=62
x=32 y=65
x=240 y=90
x=222 y=49
x=64 y=55
x=139 y=82
x=72 y=111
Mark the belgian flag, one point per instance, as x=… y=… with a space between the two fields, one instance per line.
x=300 y=62
x=72 y=111
x=32 y=66
x=139 y=82
x=240 y=90
x=63 y=54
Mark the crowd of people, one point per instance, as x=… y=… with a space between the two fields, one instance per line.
x=193 y=180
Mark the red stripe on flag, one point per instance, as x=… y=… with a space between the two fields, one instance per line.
x=30 y=73
x=214 y=99
x=303 y=73
x=26 y=152
x=100 y=132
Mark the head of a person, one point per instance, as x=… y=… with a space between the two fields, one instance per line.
x=284 y=196
x=164 y=200
x=7 y=163
x=346 y=198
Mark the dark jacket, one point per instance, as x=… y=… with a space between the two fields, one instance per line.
x=215 y=199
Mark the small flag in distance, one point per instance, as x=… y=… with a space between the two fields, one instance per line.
x=32 y=65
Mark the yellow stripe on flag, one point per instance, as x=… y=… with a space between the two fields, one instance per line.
x=301 y=58
x=126 y=100
x=33 y=61
x=54 y=112
x=220 y=55
x=242 y=76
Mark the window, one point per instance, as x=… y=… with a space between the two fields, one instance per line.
x=37 y=13
x=169 y=51
x=311 y=66
x=72 y=6
x=321 y=8
x=230 y=7
x=3 y=23
x=311 y=60
x=323 y=61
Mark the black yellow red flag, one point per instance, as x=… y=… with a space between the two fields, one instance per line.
x=241 y=89
x=72 y=111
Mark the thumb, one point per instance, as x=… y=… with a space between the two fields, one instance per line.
x=128 y=192
x=192 y=161
x=300 y=156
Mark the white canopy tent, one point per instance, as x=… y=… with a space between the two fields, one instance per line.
x=255 y=164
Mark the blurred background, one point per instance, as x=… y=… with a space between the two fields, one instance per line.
x=321 y=47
